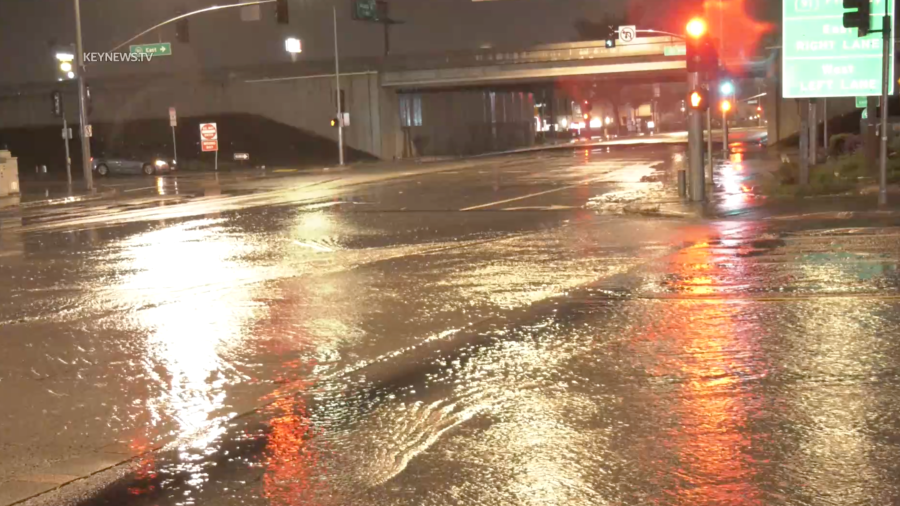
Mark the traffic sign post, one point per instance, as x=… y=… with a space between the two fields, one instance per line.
x=209 y=140
x=159 y=49
x=821 y=58
x=173 y=122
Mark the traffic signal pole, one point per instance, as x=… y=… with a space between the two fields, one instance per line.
x=695 y=146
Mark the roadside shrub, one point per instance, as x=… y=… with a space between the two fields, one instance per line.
x=844 y=144
x=851 y=167
x=788 y=173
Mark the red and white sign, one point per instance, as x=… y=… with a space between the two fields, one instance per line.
x=209 y=145
x=208 y=132
x=173 y=120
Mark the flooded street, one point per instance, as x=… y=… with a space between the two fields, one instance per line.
x=477 y=333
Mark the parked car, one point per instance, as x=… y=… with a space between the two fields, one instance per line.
x=125 y=164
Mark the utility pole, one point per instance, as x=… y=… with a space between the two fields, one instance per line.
x=885 y=85
x=337 y=91
x=82 y=107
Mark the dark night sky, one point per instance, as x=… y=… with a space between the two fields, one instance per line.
x=220 y=39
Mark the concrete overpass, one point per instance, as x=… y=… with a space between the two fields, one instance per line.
x=449 y=104
x=658 y=58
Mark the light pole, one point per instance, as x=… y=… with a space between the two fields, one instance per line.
x=82 y=108
x=337 y=91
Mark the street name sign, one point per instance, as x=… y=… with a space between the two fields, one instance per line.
x=365 y=10
x=160 y=49
x=821 y=58
x=675 y=50
x=861 y=102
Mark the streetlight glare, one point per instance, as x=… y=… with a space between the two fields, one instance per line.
x=65 y=57
x=292 y=45
x=696 y=28
x=727 y=88
x=65 y=66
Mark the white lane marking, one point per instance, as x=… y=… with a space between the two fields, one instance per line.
x=646 y=167
x=139 y=189
x=313 y=246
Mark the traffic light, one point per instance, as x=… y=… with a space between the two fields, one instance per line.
x=65 y=66
x=725 y=106
x=281 y=11
x=698 y=100
x=612 y=33
x=726 y=87
x=858 y=18
x=701 y=52
x=182 y=30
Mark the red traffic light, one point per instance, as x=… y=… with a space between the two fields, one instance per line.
x=696 y=28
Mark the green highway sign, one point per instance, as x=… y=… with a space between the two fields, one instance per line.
x=821 y=58
x=160 y=49
x=675 y=50
x=365 y=10
x=861 y=102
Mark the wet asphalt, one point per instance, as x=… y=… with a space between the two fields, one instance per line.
x=469 y=332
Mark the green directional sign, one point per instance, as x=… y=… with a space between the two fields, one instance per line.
x=365 y=10
x=821 y=58
x=675 y=50
x=159 y=49
x=862 y=102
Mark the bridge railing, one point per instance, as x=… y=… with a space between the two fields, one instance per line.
x=591 y=50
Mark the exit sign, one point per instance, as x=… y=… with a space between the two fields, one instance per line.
x=821 y=58
x=159 y=49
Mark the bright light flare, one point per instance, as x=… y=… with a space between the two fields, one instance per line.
x=292 y=45
x=726 y=106
x=696 y=28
